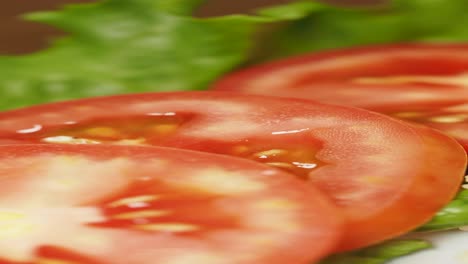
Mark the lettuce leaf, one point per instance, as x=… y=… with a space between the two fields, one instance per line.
x=380 y=253
x=453 y=215
x=120 y=46
x=401 y=21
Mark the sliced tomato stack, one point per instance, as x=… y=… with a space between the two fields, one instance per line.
x=128 y=204
x=371 y=166
x=426 y=84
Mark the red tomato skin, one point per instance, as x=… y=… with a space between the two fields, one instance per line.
x=410 y=202
x=439 y=160
x=235 y=81
x=325 y=218
x=336 y=83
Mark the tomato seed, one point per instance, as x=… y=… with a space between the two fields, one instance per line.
x=132 y=200
x=54 y=261
x=128 y=131
x=449 y=118
x=169 y=227
x=271 y=152
x=142 y=214
x=102 y=132
x=282 y=165
x=69 y=140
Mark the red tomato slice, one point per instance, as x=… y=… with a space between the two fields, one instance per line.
x=427 y=84
x=127 y=204
x=374 y=167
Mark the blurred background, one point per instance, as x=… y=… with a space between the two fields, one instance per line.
x=18 y=36
x=128 y=46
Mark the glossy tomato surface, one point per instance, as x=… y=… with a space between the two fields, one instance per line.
x=427 y=84
x=379 y=170
x=126 y=204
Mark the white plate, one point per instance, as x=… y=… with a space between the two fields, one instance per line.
x=449 y=248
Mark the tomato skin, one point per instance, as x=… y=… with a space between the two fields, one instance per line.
x=410 y=202
x=423 y=83
x=315 y=222
x=386 y=168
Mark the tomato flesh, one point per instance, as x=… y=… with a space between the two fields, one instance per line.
x=372 y=166
x=421 y=83
x=95 y=204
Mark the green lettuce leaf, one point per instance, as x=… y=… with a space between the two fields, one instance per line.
x=120 y=46
x=401 y=21
x=453 y=215
x=380 y=253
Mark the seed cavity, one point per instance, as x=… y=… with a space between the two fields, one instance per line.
x=128 y=131
x=268 y=153
x=54 y=261
x=276 y=204
x=168 y=227
x=218 y=181
x=298 y=160
x=134 y=200
x=163 y=128
x=289 y=131
x=10 y=216
x=69 y=140
x=142 y=214
x=102 y=132
x=304 y=165
x=131 y=142
x=282 y=165
x=239 y=150
x=13 y=224
x=449 y=118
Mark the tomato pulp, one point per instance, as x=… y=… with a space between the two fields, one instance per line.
x=426 y=84
x=372 y=166
x=128 y=204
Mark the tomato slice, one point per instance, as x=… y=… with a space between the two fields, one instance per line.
x=421 y=83
x=372 y=166
x=129 y=204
